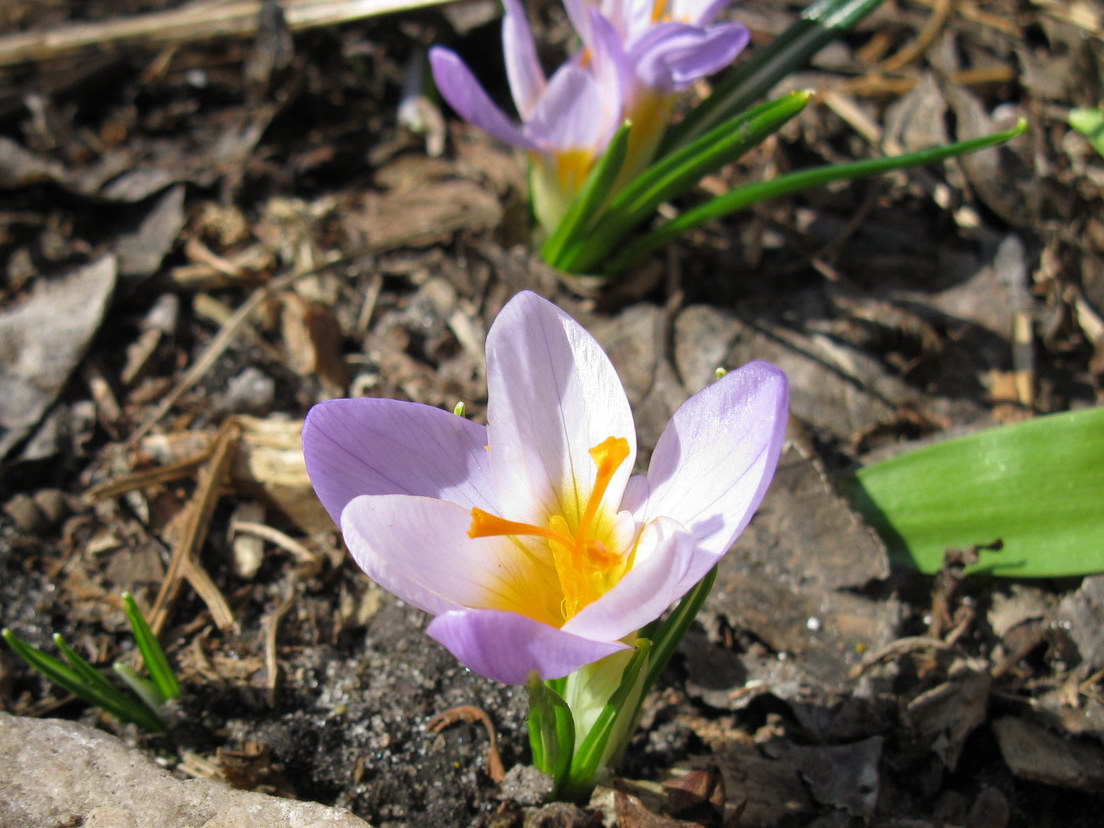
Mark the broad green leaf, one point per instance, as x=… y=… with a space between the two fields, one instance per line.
x=1037 y=486
x=1090 y=123
x=744 y=197
x=754 y=77
x=164 y=679
x=675 y=173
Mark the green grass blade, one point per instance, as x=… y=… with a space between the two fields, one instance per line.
x=1090 y=123
x=744 y=197
x=818 y=25
x=161 y=672
x=1038 y=486
x=585 y=206
x=70 y=680
x=675 y=173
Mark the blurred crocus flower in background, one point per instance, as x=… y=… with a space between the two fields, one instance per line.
x=529 y=540
x=667 y=45
x=636 y=58
x=566 y=120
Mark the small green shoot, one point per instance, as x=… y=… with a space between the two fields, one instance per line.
x=1090 y=123
x=77 y=676
x=1036 y=486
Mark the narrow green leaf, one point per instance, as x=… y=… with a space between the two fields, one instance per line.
x=819 y=24
x=84 y=669
x=618 y=715
x=677 y=172
x=153 y=654
x=551 y=731
x=1090 y=123
x=69 y=680
x=593 y=194
x=1037 y=486
x=744 y=197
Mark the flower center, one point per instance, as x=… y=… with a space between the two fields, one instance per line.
x=584 y=550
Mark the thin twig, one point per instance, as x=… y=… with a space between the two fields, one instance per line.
x=271 y=628
x=471 y=714
x=201 y=509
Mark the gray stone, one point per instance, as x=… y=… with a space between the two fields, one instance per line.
x=55 y=772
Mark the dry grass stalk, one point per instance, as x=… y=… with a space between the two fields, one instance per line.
x=194 y=22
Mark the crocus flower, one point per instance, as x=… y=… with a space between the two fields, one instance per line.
x=566 y=120
x=529 y=540
x=667 y=45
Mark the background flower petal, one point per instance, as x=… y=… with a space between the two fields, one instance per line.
x=372 y=447
x=418 y=548
x=506 y=647
x=715 y=458
x=523 y=70
x=664 y=557
x=572 y=114
x=671 y=56
x=459 y=87
x=553 y=395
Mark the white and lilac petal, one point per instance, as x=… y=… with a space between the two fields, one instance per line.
x=523 y=70
x=715 y=459
x=664 y=558
x=671 y=56
x=612 y=71
x=571 y=113
x=553 y=396
x=697 y=12
x=418 y=548
x=507 y=647
x=374 y=446
x=459 y=87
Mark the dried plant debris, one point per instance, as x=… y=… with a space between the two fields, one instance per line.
x=33 y=366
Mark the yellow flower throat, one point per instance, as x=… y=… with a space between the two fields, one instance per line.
x=583 y=547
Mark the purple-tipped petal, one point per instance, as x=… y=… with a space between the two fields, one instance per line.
x=373 y=446
x=664 y=558
x=716 y=456
x=553 y=396
x=459 y=87
x=523 y=70
x=671 y=56
x=507 y=647
x=418 y=548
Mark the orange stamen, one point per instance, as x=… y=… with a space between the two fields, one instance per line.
x=585 y=565
x=608 y=455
